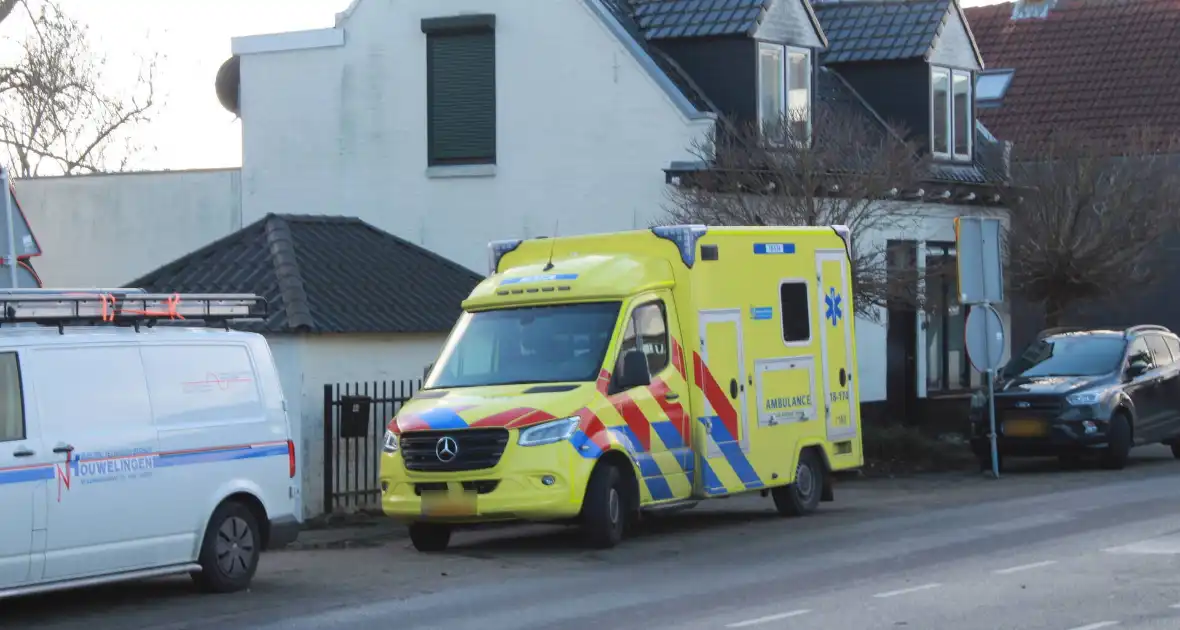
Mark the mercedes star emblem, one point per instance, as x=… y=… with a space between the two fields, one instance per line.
x=446 y=449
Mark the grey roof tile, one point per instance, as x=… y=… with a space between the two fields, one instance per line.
x=880 y=30
x=325 y=274
x=665 y=19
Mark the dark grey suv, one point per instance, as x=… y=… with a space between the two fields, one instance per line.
x=1079 y=391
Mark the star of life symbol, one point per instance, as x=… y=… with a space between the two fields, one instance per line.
x=832 y=301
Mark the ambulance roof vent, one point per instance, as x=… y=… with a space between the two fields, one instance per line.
x=128 y=308
x=685 y=237
x=497 y=250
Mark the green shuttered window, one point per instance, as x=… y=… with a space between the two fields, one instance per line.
x=461 y=96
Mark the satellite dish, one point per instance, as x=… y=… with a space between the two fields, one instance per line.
x=228 y=83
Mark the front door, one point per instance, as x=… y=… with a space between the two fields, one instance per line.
x=22 y=479
x=722 y=377
x=840 y=400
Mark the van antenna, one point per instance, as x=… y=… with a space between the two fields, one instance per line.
x=552 y=243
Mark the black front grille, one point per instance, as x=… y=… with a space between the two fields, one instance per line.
x=477 y=449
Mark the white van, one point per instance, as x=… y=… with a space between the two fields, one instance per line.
x=130 y=450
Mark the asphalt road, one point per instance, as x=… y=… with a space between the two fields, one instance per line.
x=1039 y=549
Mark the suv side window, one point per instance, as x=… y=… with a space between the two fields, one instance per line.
x=1138 y=351
x=12 y=406
x=647 y=331
x=1159 y=350
x=1173 y=347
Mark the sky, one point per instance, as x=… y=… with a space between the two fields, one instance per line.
x=190 y=129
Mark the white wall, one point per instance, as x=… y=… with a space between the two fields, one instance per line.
x=308 y=362
x=583 y=131
x=915 y=222
x=106 y=230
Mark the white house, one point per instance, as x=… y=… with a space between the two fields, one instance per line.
x=450 y=123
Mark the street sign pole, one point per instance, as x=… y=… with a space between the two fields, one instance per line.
x=981 y=284
x=10 y=226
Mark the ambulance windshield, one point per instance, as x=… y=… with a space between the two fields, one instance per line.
x=540 y=344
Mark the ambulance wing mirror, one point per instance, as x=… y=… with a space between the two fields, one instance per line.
x=633 y=371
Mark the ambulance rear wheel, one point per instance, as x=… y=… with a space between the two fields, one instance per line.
x=430 y=537
x=801 y=497
x=604 y=510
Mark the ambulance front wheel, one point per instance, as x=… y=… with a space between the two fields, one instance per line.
x=801 y=497
x=430 y=537
x=605 y=508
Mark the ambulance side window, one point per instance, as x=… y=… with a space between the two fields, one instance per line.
x=653 y=335
x=647 y=331
x=795 y=312
x=12 y=407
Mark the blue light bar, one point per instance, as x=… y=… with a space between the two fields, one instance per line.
x=685 y=237
x=497 y=250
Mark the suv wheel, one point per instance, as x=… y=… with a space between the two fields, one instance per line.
x=1118 y=446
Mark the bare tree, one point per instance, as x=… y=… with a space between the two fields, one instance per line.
x=1091 y=217
x=851 y=174
x=58 y=113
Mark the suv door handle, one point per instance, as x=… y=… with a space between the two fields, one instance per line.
x=63 y=448
x=671 y=396
x=23 y=452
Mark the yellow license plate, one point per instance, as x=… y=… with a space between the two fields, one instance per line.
x=1025 y=428
x=448 y=504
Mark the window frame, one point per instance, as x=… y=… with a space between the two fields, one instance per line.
x=782 y=312
x=20 y=388
x=482 y=25
x=784 y=63
x=951 y=130
x=1157 y=360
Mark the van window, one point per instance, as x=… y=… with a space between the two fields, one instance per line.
x=12 y=406
x=1159 y=350
x=205 y=384
x=796 y=312
x=648 y=330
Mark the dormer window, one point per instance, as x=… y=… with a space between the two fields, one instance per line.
x=784 y=89
x=951 y=116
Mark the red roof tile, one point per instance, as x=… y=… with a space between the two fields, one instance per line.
x=1093 y=68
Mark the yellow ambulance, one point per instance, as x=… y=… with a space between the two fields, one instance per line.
x=592 y=379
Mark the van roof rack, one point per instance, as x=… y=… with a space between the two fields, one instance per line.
x=62 y=307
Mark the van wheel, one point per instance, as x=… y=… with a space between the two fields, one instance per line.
x=230 y=551
x=801 y=497
x=604 y=510
x=430 y=537
x=1118 y=443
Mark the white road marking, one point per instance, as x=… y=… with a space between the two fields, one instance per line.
x=1175 y=606
x=767 y=619
x=1024 y=567
x=907 y=591
x=1164 y=545
x=1096 y=626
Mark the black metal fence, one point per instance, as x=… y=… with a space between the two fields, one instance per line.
x=355 y=417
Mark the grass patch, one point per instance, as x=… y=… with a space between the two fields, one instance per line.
x=899 y=450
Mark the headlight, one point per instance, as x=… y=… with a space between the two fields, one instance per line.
x=1092 y=397
x=389 y=444
x=549 y=432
